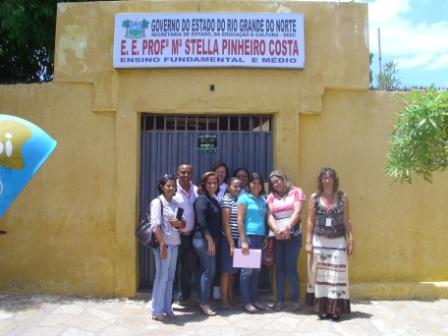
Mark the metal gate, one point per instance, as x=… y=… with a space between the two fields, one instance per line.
x=167 y=141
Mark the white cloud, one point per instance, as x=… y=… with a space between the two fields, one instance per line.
x=405 y=63
x=440 y=62
x=385 y=11
x=415 y=46
x=422 y=45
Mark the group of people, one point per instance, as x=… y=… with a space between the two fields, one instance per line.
x=225 y=213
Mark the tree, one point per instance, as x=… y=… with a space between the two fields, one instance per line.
x=27 y=38
x=387 y=78
x=419 y=141
x=27 y=31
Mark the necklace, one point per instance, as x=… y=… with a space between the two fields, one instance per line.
x=282 y=195
x=328 y=202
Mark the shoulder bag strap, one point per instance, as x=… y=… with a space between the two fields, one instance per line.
x=161 y=211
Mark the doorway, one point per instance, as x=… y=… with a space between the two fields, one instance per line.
x=169 y=140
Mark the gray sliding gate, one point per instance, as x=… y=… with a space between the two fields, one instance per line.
x=167 y=141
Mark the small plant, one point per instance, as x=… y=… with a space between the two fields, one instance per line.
x=388 y=78
x=419 y=141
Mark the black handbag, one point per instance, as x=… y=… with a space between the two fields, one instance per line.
x=144 y=233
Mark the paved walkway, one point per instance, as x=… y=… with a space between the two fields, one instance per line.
x=71 y=316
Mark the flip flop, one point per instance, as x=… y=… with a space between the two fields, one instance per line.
x=162 y=318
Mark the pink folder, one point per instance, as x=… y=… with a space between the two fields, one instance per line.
x=252 y=260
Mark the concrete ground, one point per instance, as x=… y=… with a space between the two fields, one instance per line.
x=40 y=315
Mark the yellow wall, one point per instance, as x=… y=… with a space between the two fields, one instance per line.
x=336 y=38
x=399 y=229
x=61 y=228
x=71 y=230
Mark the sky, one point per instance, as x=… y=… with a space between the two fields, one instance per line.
x=414 y=34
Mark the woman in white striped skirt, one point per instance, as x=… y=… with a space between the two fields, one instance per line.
x=329 y=241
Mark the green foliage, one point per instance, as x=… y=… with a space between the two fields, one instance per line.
x=27 y=38
x=419 y=141
x=388 y=78
x=27 y=31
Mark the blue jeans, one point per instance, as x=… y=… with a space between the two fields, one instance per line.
x=207 y=267
x=286 y=256
x=249 y=276
x=162 y=291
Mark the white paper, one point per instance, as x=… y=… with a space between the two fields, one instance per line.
x=252 y=260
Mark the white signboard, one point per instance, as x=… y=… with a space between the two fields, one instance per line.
x=149 y=40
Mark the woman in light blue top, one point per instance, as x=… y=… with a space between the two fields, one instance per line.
x=252 y=213
x=165 y=227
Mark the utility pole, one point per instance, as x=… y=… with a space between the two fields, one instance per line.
x=379 y=50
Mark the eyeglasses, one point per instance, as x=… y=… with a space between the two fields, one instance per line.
x=168 y=177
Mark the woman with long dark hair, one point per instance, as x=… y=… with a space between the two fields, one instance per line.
x=229 y=240
x=165 y=227
x=252 y=212
x=208 y=227
x=222 y=174
x=243 y=175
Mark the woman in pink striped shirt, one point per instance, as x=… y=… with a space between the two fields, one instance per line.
x=285 y=204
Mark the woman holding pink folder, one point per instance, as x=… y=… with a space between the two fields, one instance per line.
x=251 y=226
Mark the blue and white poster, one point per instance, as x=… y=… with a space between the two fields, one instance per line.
x=24 y=148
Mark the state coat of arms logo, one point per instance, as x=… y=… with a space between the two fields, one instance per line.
x=135 y=29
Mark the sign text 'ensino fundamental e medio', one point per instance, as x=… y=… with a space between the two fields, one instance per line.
x=148 y=40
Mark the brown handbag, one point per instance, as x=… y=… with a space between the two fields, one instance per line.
x=268 y=253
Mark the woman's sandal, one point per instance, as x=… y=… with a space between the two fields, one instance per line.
x=259 y=306
x=162 y=318
x=278 y=306
x=206 y=310
x=250 y=309
x=294 y=306
x=336 y=317
x=226 y=306
x=234 y=304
